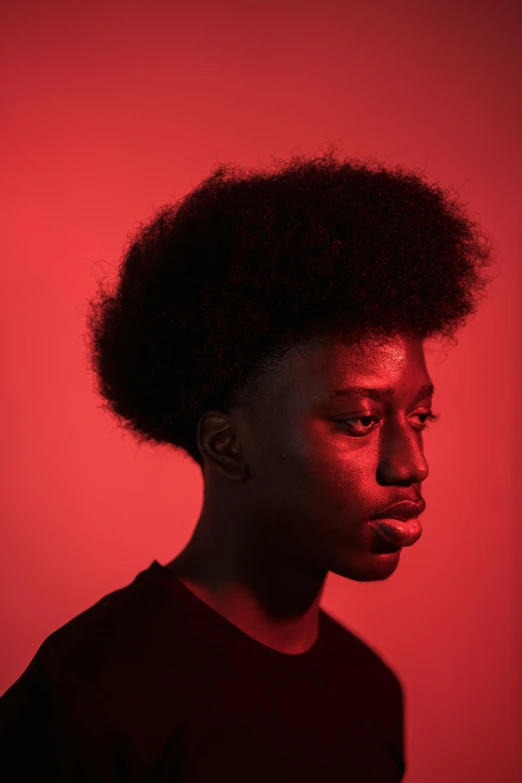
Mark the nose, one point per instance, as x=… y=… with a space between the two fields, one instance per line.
x=402 y=459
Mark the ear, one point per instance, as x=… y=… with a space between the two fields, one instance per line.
x=219 y=446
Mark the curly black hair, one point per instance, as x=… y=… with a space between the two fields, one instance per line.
x=214 y=289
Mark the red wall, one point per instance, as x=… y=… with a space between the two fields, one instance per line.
x=115 y=109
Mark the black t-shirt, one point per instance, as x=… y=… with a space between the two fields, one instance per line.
x=151 y=684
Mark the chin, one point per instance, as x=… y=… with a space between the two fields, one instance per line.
x=367 y=567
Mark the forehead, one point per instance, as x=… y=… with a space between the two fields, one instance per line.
x=314 y=369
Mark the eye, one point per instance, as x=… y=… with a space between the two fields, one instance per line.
x=367 y=420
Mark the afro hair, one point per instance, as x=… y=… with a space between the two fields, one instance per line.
x=214 y=289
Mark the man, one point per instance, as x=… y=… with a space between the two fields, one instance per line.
x=271 y=326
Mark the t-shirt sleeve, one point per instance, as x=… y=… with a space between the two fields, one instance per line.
x=55 y=729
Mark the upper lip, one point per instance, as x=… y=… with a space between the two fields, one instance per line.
x=406 y=509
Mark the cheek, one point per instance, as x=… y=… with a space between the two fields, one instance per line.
x=326 y=478
x=314 y=464
x=333 y=461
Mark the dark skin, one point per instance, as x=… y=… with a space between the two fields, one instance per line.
x=289 y=487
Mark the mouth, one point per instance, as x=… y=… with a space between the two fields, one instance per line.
x=397 y=533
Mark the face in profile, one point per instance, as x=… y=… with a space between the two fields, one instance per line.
x=325 y=459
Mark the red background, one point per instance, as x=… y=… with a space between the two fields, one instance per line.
x=114 y=109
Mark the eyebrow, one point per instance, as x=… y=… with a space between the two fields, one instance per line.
x=378 y=394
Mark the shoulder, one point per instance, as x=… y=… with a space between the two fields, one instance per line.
x=366 y=678
x=79 y=699
x=100 y=645
x=348 y=646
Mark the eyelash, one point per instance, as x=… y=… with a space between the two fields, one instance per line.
x=429 y=417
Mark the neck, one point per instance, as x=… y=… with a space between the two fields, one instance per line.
x=267 y=598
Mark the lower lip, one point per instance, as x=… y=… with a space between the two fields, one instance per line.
x=396 y=532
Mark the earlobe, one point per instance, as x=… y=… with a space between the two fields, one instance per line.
x=230 y=459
